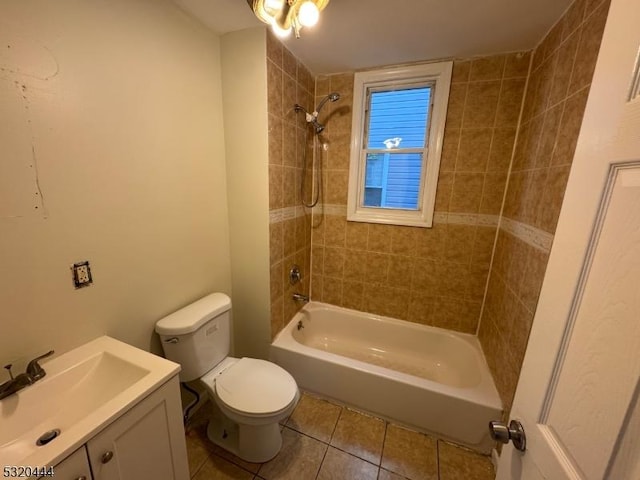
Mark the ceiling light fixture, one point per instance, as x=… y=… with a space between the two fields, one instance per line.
x=287 y=15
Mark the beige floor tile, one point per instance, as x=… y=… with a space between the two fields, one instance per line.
x=217 y=468
x=252 y=467
x=360 y=435
x=315 y=417
x=299 y=458
x=387 y=475
x=338 y=465
x=197 y=451
x=410 y=454
x=457 y=463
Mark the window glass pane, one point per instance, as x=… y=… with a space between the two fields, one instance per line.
x=398 y=119
x=392 y=180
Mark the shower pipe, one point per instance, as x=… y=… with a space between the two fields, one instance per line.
x=317 y=129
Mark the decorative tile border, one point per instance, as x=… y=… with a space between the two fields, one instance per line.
x=287 y=213
x=531 y=235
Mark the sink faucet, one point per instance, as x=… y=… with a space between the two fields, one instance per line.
x=299 y=297
x=34 y=373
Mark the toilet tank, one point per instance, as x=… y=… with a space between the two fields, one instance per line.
x=197 y=336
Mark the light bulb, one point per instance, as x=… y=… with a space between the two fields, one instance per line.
x=308 y=14
x=279 y=31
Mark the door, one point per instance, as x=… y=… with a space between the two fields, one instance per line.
x=147 y=442
x=578 y=394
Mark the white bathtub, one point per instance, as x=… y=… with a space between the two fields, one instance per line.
x=434 y=380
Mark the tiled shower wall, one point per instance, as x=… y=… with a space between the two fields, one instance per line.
x=559 y=83
x=434 y=276
x=289 y=82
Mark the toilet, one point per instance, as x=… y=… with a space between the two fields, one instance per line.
x=249 y=396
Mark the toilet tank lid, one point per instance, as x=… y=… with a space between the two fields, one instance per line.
x=188 y=319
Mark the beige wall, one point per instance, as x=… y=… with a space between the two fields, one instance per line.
x=559 y=84
x=115 y=111
x=434 y=276
x=289 y=82
x=244 y=78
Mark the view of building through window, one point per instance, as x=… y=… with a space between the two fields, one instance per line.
x=396 y=130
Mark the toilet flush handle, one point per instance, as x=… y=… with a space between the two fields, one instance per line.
x=172 y=340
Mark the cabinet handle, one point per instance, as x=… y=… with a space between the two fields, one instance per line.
x=106 y=457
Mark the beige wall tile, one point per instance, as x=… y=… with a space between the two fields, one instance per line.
x=332 y=290
x=481 y=104
x=403 y=240
x=588 y=49
x=473 y=154
x=335 y=231
x=450 y=146
x=274 y=86
x=289 y=63
x=400 y=271
x=357 y=235
x=353 y=295
x=455 y=109
x=334 y=262
x=467 y=192
x=385 y=300
x=570 y=128
x=487 y=68
x=377 y=268
x=517 y=65
x=355 y=265
x=421 y=306
x=501 y=149
x=461 y=70
x=510 y=102
x=380 y=237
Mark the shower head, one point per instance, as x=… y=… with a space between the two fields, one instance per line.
x=312 y=118
x=332 y=97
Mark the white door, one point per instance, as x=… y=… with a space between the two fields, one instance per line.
x=578 y=394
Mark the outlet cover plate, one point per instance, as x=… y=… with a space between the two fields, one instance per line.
x=81 y=273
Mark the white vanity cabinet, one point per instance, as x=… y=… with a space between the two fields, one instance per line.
x=146 y=442
x=74 y=467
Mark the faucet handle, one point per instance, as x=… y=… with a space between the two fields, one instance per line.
x=34 y=370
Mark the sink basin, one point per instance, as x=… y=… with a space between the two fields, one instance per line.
x=83 y=391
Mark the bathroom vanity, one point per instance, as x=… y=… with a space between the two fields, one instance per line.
x=106 y=411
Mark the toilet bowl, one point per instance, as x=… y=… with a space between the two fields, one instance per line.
x=249 y=396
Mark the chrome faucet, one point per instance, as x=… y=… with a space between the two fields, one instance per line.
x=34 y=373
x=299 y=297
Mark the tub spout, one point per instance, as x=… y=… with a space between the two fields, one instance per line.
x=299 y=297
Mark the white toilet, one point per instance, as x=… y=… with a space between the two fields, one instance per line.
x=251 y=395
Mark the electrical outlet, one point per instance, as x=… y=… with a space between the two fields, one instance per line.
x=81 y=274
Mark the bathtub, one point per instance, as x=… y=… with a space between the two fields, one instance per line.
x=430 y=379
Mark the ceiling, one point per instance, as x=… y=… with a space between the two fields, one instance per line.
x=360 y=34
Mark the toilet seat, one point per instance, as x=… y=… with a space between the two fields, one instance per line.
x=255 y=388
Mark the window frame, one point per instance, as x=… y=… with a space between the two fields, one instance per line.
x=438 y=74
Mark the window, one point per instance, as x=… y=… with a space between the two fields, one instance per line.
x=398 y=125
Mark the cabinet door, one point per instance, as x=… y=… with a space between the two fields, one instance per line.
x=74 y=467
x=146 y=442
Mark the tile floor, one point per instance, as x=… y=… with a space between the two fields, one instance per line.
x=325 y=441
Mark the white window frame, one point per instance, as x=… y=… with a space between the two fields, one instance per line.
x=440 y=75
